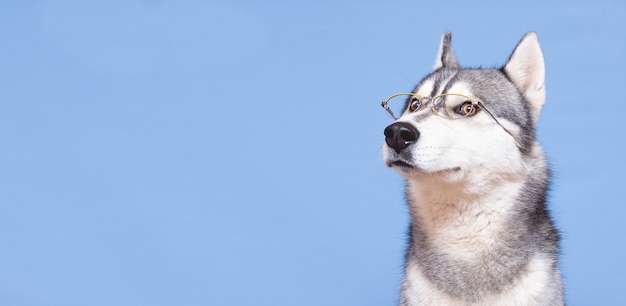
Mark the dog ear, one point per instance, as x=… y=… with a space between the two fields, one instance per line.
x=526 y=69
x=446 y=57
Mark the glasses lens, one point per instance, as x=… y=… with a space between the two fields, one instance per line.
x=453 y=106
x=397 y=104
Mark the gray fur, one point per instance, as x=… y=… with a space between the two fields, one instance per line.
x=446 y=56
x=528 y=232
x=500 y=96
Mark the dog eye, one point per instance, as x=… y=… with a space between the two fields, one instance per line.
x=415 y=104
x=468 y=109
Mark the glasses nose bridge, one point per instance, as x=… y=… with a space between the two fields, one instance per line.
x=436 y=103
x=429 y=102
x=440 y=99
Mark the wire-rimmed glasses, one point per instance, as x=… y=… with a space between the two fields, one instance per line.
x=447 y=105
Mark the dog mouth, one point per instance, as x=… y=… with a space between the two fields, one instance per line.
x=401 y=164
x=407 y=167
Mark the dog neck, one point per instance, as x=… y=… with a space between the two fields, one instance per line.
x=461 y=217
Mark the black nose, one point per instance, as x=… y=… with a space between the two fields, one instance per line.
x=400 y=135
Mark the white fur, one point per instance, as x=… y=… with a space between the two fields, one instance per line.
x=469 y=170
x=527 y=290
x=470 y=143
x=464 y=179
x=463 y=224
x=477 y=170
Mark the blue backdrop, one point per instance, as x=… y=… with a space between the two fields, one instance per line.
x=228 y=153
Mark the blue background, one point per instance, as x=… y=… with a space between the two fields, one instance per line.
x=228 y=153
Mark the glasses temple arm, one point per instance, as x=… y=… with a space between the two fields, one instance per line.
x=500 y=124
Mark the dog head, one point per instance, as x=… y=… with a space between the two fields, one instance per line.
x=458 y=121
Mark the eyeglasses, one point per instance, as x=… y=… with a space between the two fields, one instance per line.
x=450 y=106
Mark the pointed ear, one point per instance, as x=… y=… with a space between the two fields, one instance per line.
x=446 y=57
x=526 y=70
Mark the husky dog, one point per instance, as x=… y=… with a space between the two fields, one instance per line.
x=476 y=183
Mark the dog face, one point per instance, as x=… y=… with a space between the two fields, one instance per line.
x=421 y=142
x=493 y=138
